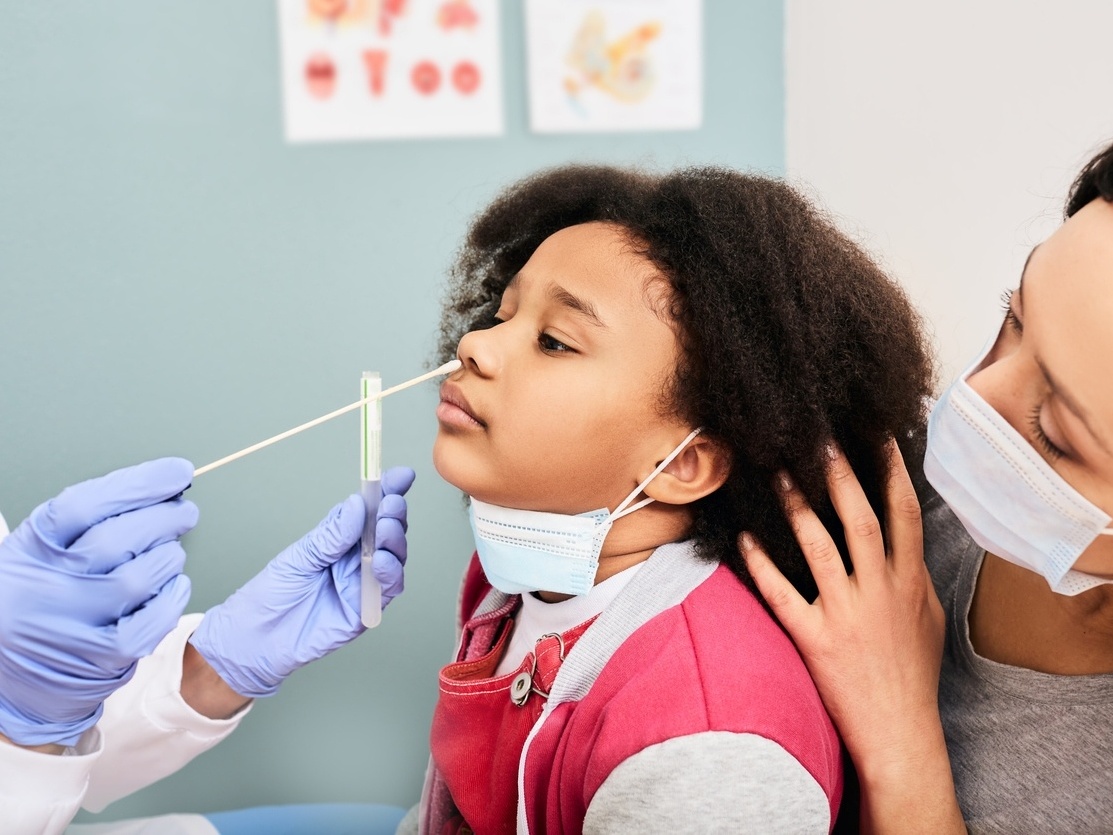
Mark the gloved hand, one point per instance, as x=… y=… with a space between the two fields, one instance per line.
x=89 y=583
x=305 y=603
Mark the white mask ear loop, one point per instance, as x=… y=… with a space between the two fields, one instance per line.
x=622 y=509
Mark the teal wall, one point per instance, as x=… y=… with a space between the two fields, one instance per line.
x=176 y=280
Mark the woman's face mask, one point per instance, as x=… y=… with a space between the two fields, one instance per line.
x=1011 y=502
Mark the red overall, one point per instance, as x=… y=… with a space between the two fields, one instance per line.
x=481 y=722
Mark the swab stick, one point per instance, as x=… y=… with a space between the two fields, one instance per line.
x=447 y=368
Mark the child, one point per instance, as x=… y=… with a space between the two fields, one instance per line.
x=643 y=356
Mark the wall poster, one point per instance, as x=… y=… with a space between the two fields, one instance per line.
x=613 y=65
x=388 y=69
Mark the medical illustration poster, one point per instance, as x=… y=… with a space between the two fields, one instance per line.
x=614 y=65
x=389 y=69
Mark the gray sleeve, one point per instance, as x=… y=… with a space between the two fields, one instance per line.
x=710 y=782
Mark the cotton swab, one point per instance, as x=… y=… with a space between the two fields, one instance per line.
x=447 y=368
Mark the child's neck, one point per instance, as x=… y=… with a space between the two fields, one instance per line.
x=634 y=538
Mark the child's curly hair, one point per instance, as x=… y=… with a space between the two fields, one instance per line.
x=790 y=335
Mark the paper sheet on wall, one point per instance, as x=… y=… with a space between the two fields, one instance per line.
x=387 y=69
x=612 y=65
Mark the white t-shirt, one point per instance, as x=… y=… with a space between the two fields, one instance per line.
x=537 y=618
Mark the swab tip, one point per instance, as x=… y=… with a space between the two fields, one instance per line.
x=450 y=366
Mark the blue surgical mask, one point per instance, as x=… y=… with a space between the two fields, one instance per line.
x=528 y=550
x=1009 y=499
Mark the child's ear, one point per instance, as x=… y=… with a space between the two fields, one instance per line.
x=699 y=470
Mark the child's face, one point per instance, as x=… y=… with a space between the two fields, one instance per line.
x=559 y=407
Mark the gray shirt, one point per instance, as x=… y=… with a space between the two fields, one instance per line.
x=1030 y=752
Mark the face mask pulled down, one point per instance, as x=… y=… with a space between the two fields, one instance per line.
x=528 y=550
x=1009 y=499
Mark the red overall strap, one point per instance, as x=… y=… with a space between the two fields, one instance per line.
x=480 y=727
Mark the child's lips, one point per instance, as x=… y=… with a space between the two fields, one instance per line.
x=454 y=408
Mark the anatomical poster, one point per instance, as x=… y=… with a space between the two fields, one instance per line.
x=390 y=69
x=613 y=65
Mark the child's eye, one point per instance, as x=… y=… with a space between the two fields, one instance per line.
x=552 y=345
x=1010 y=317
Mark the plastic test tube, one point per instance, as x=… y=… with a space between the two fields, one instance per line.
x=370 y=487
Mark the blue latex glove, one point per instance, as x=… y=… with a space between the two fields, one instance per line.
x=305 y=603
x=89 y=583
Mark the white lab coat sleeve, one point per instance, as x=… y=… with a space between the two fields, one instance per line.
x=147 y=728
x=147 y=731
x=40 y=793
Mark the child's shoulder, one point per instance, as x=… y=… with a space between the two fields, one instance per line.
x=720 y=640
x=725 y=619
x=718 y=658
x=714 y=662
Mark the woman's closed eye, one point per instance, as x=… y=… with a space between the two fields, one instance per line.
x=552 y=345
x=1046 y=444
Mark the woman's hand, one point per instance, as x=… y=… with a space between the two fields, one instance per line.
x=872 y=641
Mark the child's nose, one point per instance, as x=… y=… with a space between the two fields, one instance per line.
x=478 y=351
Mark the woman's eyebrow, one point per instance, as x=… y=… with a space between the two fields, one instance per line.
x=577 y=305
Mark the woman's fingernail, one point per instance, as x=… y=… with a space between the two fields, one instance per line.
x=746 y=541
x=830 y=451
x=784 y=482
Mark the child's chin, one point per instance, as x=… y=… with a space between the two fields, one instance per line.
x=450 y=468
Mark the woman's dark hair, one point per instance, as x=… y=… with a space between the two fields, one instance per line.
x=1093 y=181
x=790 y=335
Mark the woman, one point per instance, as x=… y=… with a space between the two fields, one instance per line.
x=1020 y=456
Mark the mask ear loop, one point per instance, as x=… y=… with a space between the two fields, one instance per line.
x=622 y=509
